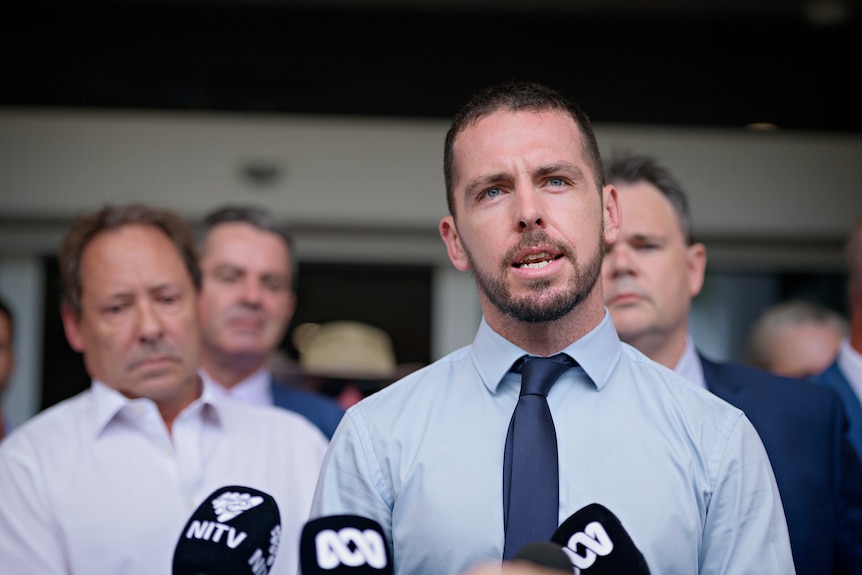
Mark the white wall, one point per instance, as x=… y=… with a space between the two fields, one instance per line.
x=361 y=189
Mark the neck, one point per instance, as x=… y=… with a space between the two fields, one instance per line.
x=170 y=409
x=229 y=370
x=659 y=347
x=547 y=338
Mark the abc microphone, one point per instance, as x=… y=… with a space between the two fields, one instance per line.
x=235 y=531
x=596 y=543
x=344 y=544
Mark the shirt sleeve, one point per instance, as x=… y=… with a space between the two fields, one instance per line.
x=351 y=480
x=745 y=530
x=29 y=544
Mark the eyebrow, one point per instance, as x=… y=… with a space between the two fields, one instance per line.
x=572 y=171
x=564 y=168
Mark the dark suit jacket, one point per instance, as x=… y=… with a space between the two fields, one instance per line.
x=833 y=378
x=322 y=411
x=804 y=430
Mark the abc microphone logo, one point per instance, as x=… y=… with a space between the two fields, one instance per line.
x=595 y=542
x=350 y=547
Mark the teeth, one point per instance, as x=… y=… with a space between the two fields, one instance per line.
x=538 y=256
x=536 y=265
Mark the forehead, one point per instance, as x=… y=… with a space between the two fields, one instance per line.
x=504 y=138
x=241 y=243
x=128 y=258
x=645 y=210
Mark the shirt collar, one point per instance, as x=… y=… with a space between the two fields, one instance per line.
x=597 y=353
x=254 y=389
x=689 y=365
x=109 y=403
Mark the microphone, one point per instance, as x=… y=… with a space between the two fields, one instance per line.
x=596 y=543
x=544 y=554
x=235 y=531
x=344 y=544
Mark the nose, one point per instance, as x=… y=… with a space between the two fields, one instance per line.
x=529 y=209
x=150 y=326
x=618 y=261
x=251 y=292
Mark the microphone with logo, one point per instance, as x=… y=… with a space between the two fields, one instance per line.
x=344 y=544
x=235 y=531
x=597 y=543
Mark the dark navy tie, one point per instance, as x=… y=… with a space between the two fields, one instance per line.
x=531 y=490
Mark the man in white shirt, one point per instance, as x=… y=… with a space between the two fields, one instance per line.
x=105 y=481
x=845 y=375
x=247 y=300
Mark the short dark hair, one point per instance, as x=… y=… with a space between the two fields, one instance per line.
x=10 y=317
x=256 y=217
x=515 y=97
x=88 y=226
x=631 y=168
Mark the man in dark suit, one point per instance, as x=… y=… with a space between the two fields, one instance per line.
x=845 y=374
x=650 y=276
x=246 y=302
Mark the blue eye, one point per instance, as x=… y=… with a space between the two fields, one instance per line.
x=493 y=192
x=556 y=182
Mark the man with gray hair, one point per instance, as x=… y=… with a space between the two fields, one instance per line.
x=795 y=338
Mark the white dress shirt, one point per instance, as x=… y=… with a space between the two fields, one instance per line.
x=689 y=365
x=96 y=484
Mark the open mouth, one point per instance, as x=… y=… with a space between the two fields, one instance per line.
x=536 y=261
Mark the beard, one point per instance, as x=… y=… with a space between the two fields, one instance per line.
x=543 y=304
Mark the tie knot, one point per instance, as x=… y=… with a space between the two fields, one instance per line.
x=538 y=374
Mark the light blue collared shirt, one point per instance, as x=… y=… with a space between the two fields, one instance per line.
x=684 y=472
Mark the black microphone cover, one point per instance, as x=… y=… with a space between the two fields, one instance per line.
x=235 y=531
x=544 y=554
x=597 y=543
x=344 y=544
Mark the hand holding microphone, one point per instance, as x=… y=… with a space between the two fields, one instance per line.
x=235 y=531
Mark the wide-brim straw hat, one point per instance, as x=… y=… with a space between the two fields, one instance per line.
x=345 y=350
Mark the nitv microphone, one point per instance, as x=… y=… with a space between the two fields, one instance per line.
x=344 y=544
x=544 y=554
x=235 y=531
x=597 y=543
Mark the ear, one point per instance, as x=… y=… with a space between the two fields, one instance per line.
x=612 y=214
x=450 y=236
x=71 y=325
x=696 y=256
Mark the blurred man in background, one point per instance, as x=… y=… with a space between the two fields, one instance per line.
x=104 y=482
x=650 y=276
x=796 y=339
x=247 y=301
x=845 y=375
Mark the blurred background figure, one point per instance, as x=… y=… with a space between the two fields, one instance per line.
x=346 y=360
x=796 y=339
x=845 y=374
x=7 y=358
x=650 y=276
x=247 y=300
